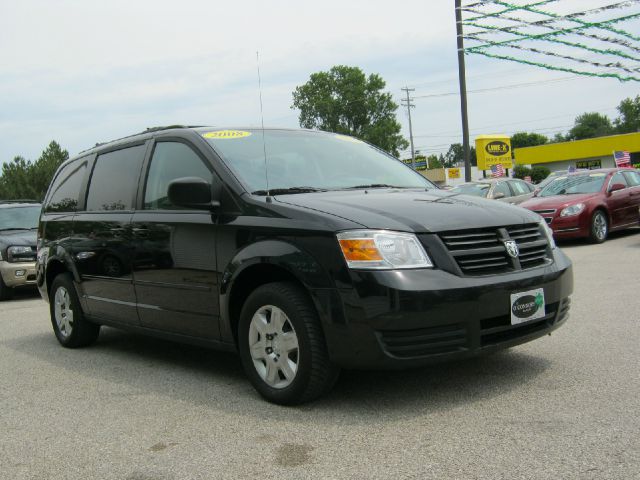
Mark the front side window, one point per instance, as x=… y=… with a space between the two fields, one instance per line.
x=114 y=179
x=308 y=160
x=65 y=190
x=171 y=160
x=618 y=177
x=633 y=178
x=502 y=187
x=520 y=188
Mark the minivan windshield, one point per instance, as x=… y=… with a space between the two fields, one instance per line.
x=305 y=161
x=19 y=218
x=572 y=184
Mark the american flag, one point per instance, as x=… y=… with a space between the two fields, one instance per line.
x=497 y=170
x=622 y=158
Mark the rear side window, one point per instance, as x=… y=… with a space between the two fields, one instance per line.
x=65 y=189
x=114 y=179
x=171 y=160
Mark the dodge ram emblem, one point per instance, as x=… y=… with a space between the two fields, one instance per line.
x=512 y=248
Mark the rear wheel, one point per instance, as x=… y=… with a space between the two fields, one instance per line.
x=282 y=346
x=70 y=326
x=599 y=227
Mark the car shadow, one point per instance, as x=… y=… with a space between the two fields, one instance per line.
x=583 y=242
x=215 y=380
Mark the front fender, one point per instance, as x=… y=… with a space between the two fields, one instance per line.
x=284 y=255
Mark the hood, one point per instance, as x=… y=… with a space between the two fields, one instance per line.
x=17 y=237
x=556 y=201
x=412 y=210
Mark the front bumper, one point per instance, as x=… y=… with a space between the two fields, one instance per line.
x=574 y=226
x=399 y=319
x=18 y=274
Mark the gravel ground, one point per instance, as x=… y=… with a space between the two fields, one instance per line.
x=135 y=408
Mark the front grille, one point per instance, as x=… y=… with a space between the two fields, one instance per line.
x=545 y=212
x=423 y=342
x=483 y=252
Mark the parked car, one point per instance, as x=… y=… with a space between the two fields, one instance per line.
x=509 y=190
x=551 y=177
x=304 y=251
x=590 y=204
x=18 y=224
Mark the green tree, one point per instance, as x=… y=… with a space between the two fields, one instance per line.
x=344 y=100
x=520 y=171
x=629 y=119
x=526 y=139
x=455 y=156
x=434 y=162
x=539 y=173
x=23 y=179
x=590 y=125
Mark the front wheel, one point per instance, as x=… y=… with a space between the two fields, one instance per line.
x=70 y=326
x=599 y=227
x=282 y=346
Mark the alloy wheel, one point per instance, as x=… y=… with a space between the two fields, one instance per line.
x=63 y=312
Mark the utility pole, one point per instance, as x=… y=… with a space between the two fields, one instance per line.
x=409 y=106
x=463 y=94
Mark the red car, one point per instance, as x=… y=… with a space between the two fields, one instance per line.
x=590 y=204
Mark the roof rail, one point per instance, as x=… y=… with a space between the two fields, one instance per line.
x=148 y=130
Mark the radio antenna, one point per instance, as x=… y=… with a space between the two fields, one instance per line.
x=264 y=143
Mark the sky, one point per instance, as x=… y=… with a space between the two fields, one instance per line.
x=83 y=72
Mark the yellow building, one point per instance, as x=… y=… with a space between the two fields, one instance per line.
x=590 y=153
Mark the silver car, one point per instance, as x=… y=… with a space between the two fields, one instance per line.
x=509 y=190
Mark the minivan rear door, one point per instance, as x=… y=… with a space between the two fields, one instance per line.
x=102 y=238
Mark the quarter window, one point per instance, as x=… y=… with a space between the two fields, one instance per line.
x=171 y=160
x=520 y=188
x=66 y=188
x=114 y=179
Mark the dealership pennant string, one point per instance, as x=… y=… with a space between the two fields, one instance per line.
x=617 y=42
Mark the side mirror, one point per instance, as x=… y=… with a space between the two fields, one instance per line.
x=498 y=195
x=192 y=192
x=616 y=186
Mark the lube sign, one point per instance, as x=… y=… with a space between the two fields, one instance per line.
x=493 y=150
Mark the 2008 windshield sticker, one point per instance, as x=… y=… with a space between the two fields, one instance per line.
x=227 y=134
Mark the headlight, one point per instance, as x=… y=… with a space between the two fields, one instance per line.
x=18 y=250
x=572 y=210
x=381 y=249
x=548 y=233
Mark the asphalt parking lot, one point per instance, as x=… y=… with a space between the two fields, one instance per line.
x=564 y=406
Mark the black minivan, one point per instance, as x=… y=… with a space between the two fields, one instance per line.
x=304 y=251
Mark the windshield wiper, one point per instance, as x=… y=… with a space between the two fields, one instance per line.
x=16 y=228
x=374 y=185
x=290 y=190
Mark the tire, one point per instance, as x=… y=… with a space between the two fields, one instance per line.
x=71 y=327
x=6 y=293
x=599 y=227
x=291 y=371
